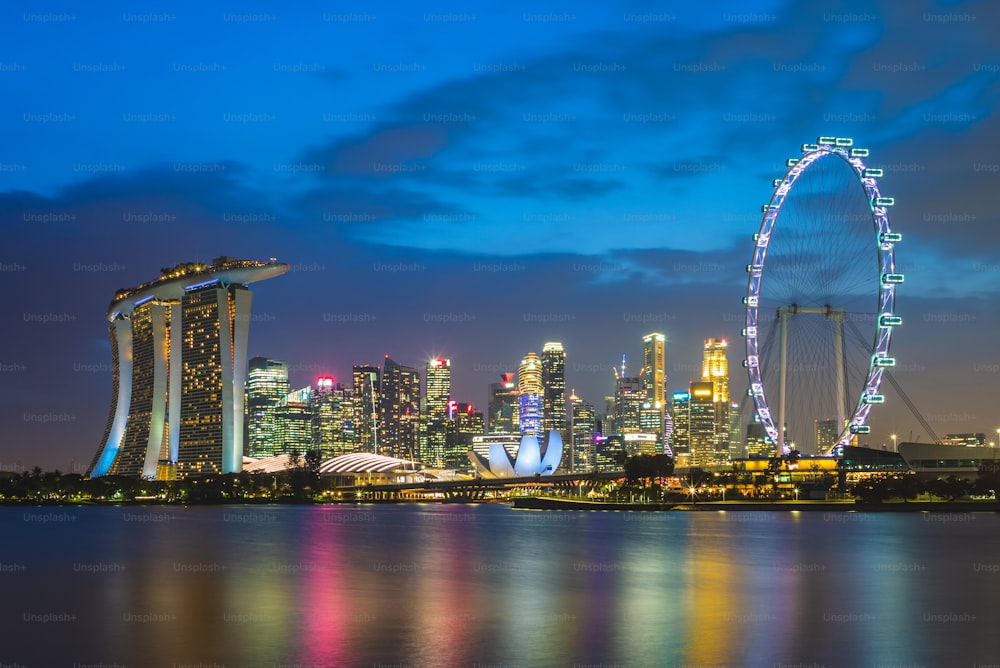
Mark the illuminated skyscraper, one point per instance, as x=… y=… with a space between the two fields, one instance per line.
x=735 y=437
x=584 y=425
x=333 y=418
x=680 y=437
x=654 y=365
x=630 y=394
x=399 y=411
x=294 y=422
x=701 y=424
x=715 y=368
x=435 y=426
x=502 y=408
x=267 y=387
x=554 y=384
x=179 y=358
x=758 y=444
x=366 y=402
x=464 y=423
x=826 y=433
x=529 y=399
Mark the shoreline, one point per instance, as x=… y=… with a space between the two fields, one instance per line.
x=543 y=503
x=556 y=504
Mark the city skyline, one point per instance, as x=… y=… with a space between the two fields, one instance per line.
x=596 y=178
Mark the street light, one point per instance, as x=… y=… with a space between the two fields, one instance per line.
x=894 y=448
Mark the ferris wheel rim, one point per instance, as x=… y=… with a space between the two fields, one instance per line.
x=886 y=318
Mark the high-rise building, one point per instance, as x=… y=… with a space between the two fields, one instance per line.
x=267 y=387
x=435 y=425
x=826 y=433
x=735 y=437
x=630 y=394
x=294 y=423
x=367 y=380
x=180 y=366
x=529 y=395
x=333 y=418
x=584 y=425
x=399 y=411
x=554 y=385
x=502 y=407
x=715 y=368
x=654 y=365
x=701 y=424
x=680 y=438
x=465 y=422
x=758 y=444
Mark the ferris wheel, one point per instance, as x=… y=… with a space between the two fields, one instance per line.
x=820 y=299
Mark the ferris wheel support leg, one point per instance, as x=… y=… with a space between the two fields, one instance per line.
x=782 y=380
x=838 y=353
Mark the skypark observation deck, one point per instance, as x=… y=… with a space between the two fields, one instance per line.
x=174 y=281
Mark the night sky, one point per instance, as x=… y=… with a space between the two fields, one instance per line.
x=471 y=182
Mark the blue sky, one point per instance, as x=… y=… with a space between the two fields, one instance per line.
x=477 y=181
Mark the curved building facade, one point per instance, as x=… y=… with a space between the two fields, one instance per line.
x=179 y=347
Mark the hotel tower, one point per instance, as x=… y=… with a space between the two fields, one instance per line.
x=179 y=349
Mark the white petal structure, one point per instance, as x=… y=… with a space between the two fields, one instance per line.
x=530 y=459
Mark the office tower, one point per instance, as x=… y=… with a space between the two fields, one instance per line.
x=366 y=404
x=435 y=425
x=464 y=422
x=267 y=387
x=333 y=418
x=554 y=385
x=654 y=365
x=735 y=437
x=701 y=424
x=715 y=368
x=651 y=425
x=399 y=411
x=826 y=433
x=502 y=407
x=758 y=445
x=630 y=394
x=608 y=452
x=680 y=439
x=179 y=357
x=584 y=425
x=529 y=395
x=294 y=422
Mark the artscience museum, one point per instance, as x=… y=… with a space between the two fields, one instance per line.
x=532 y=458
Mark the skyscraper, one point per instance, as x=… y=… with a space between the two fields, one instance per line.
x=333 y=418
x=654 y=367
x=554 y=385
x=715 y=368
x=584 y=425
x=179 y=357
x=399 y=411
x=630 y=394
x=294 y=422
x=826 y=433
x=502 y=407
x=438 y=395
x=680 y=437
x=529 y=399
x=366 y=405
x=701 y=424
x=267 y=386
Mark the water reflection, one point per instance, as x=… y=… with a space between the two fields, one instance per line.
x=460 y=585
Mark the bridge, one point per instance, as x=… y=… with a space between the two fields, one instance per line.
x=475 y=489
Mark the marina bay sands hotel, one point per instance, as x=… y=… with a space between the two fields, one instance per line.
x=179 y=347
